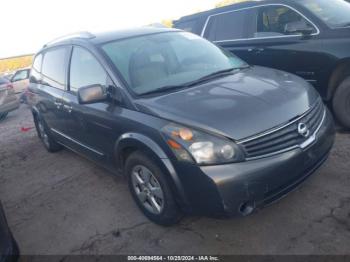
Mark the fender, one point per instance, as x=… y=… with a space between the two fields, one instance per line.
x=145 y=143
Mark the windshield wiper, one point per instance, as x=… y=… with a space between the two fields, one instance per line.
x=164 y=89
x=219 y=73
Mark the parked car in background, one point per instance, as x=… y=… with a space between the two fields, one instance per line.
x=8 y=76
x=9 y=251
x=193 y=127
x=309 y=38
x=20 y=80
x=8 y=99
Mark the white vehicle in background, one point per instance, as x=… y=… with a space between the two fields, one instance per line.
x=8 y=99
x=20 y=80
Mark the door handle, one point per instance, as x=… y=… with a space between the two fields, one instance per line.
x=68 y=108
x=256 y=50
x=58 y=104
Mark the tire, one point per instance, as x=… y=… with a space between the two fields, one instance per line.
x=150 y=190
x=45 y=136
x=341 y=103
x=3 y=116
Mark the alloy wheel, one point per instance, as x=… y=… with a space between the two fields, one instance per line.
x=147 y=189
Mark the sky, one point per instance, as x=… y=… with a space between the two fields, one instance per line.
x=28 y=24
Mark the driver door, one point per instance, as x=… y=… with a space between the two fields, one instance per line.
x=89 y=128
x=274 y=46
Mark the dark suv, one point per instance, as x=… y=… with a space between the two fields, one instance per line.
x=309 y=38
x=191 y=126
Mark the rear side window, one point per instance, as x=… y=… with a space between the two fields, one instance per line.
x=21 y=75
x=85 y=70
x=227 y=26
x=54 y=68
x=35 y=73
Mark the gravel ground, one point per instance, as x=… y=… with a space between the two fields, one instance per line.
x=63 y=204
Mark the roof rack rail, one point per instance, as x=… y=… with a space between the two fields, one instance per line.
x=83 y=35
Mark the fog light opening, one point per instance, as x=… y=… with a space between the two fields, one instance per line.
x=247 y=208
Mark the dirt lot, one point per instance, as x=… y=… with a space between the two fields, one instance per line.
x=63 y=204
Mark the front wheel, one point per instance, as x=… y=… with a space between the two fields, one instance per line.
x=151 y=191
x=45 y=136
x=341 y=103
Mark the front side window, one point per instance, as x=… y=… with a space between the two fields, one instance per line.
x=54 y=68
x=277 y=20
x=85 y=70
x=335 y=13
x=227 y=26
x=151 y=62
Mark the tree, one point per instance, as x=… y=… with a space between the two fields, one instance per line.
x=167 y=22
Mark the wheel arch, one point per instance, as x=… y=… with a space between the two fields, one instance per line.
x=339 y=73
x=131 y=142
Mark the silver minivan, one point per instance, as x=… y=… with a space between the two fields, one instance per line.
x=8 y=98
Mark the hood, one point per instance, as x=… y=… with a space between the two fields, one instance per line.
x=237 y=106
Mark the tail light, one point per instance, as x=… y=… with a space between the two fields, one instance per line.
x=9 y=87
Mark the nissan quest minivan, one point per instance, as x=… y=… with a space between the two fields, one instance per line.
x=309 y=38
x=194 y=129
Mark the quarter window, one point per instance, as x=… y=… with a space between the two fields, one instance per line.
x=53 y=70
x=85 y=70
x=228 y=26
x=36 y=69
x=280 y=21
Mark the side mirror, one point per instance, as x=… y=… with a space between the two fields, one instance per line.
x=92 y=94
x=299 y=27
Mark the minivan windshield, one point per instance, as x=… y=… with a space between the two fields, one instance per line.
x=168 y=60
x=335 y=13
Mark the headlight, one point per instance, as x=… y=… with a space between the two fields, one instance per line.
x=205 y=149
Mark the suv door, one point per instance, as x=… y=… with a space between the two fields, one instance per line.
x=279 y=42
x=20 y=80
x=89 y=127
x=51 y=88
x=232 y=30
x=270 y=41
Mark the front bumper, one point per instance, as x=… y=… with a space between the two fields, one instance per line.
x=240 y=188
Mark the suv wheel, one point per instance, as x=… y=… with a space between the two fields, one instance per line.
x=341 y=103
x=151 y=191
x=50 y=144
x=3 y=116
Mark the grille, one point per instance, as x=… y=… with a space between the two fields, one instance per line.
x=285 y=137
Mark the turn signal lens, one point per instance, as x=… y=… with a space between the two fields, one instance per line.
x=173 y=144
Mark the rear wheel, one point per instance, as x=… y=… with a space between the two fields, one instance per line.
x=45 y=136
x=341 y=103
x=3 y=116
x=151 y=191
